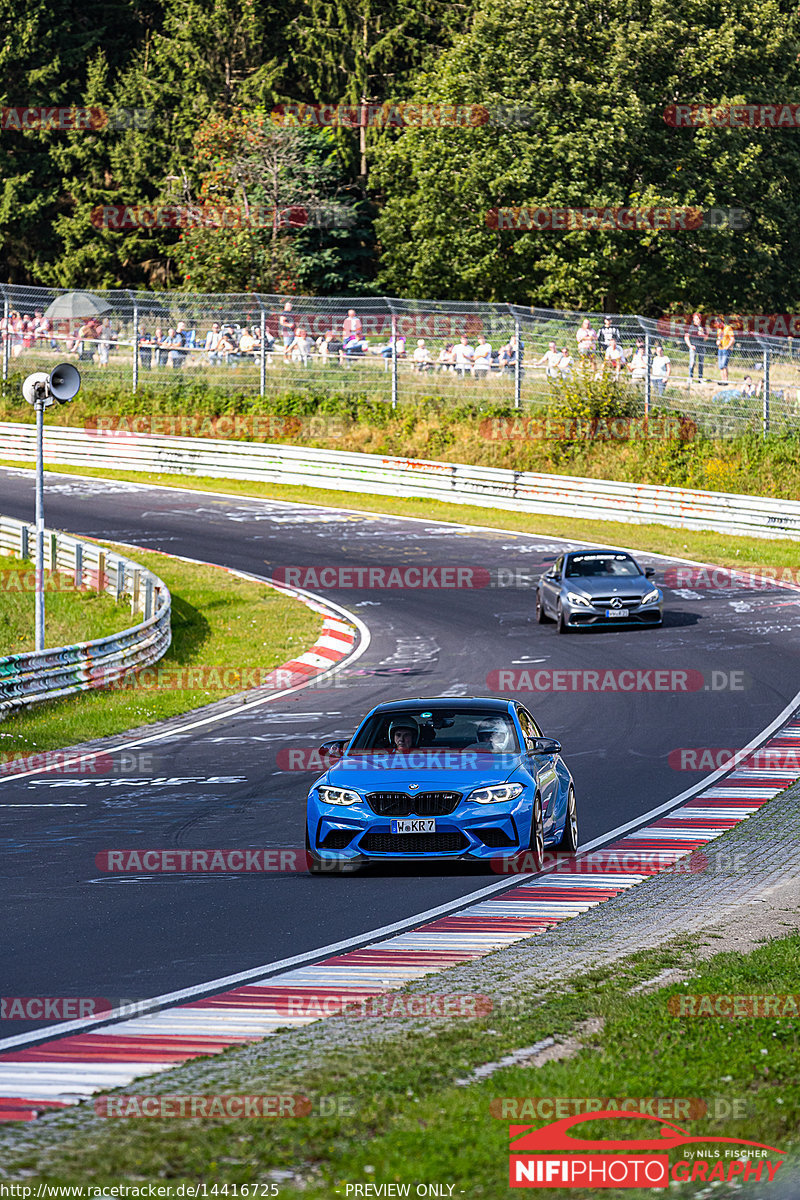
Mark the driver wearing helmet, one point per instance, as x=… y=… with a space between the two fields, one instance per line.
x=403 y=735
x=494 y=736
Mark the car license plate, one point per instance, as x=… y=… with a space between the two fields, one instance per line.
x=617 y=612
x=415 y=825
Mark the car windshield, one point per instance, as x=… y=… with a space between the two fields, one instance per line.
x=588 y=566
x=437 y=729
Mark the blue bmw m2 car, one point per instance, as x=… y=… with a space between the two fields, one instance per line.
x=466 y=779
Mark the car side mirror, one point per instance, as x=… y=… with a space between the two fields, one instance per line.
x=332 y=749
x=649 y=572
x=545 y=745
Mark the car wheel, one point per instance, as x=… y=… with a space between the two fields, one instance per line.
x=541 y=615
x=561 y=621
x=537 y=834
x=569 y=838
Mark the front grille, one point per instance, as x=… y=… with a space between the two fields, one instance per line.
x=337 y=839
x=625 y=601
x=424 y=804
x=375 y=842
x=494 y=838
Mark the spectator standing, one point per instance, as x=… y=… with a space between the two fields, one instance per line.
x=586 y=337
x=608 y=333
x=660 y=369
x=726 y=339
x=638 y=364
x=105 y=339
x=286 y=328
x=550 y=360
x=146 y=350
x=351 y=324
x=565 y=364
x=211 y=345
x=464 y=356
x=695 y=338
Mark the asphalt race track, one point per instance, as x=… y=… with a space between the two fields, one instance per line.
x=70 y=930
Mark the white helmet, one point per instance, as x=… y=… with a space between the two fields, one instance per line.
x=496 y=732
x=404 y=723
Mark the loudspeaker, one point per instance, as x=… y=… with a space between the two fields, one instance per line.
x=65 y=380
x=37 y=385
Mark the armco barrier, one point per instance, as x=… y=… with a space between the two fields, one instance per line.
x=519 y=491
x=51 y=674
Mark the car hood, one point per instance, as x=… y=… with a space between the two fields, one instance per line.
x=439 y=771
x=611 y=585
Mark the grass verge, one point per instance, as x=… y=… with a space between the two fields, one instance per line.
x=392 y=1113
x=72 y=614
x=220 y=625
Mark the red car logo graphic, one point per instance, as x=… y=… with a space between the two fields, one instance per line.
x=526 y=1139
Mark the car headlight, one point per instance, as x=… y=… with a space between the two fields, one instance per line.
x=332 y=795
x=496 y=793
x=651 y=597
x=577 y=598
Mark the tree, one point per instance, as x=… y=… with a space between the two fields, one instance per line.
x=598 y=78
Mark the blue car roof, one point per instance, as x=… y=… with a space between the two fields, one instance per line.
x=433 y=702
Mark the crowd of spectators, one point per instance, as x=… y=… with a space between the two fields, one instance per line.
x=605 y=351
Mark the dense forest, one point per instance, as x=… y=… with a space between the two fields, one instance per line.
x=194 y=96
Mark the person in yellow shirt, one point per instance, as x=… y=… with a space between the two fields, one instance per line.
x=726 y=339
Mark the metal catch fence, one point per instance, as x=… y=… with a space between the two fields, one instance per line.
x=400 y=351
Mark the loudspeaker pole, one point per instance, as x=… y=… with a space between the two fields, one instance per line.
x=39 y=574
x=40 y=390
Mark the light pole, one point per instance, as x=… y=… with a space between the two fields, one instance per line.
x=40 y=390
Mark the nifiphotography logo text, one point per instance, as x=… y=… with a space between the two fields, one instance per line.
x=554 y=1157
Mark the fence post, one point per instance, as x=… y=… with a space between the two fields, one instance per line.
x=262 y=380
x=6 y=335
x=78 y=565
x=647 y=381
x=101 y=571
x=53 y=552
x=148 y=599
x=394 y=361
x=135 y=342
x=120 y=580
x=24 y=549
x=765 y=413
x=517 y=366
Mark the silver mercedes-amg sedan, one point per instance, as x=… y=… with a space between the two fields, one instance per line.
x=598 y=587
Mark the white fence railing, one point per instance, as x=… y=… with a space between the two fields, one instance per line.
x=374 y=474
x=50 y=674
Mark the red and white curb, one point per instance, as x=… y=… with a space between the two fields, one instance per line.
x=61 y=1071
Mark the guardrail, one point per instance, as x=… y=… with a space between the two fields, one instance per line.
x=487 y=487
x=51 y=674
